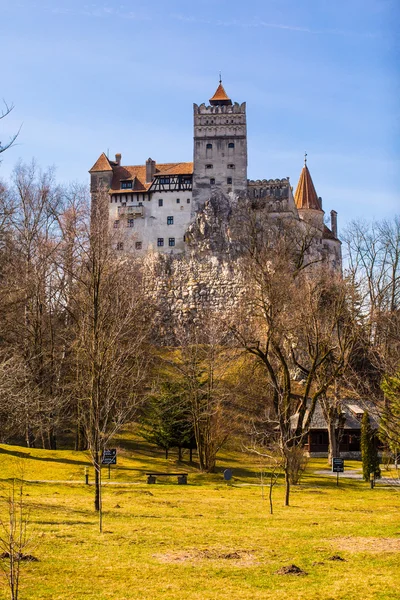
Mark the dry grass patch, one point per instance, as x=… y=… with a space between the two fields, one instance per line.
x=367 y=544
x=244 y=557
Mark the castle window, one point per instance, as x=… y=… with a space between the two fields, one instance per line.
x=160 y=202
x=116 y=224
x=212 y=181
x=171 y=241
x=138 y=245
x=126 y=185
x=229 y=181
x=187 y=200
x=209 y=146
x=209 y=166
x=160 y=242
x=164 y=179
x=231 y=166
x=231 y=145
x=170 y=220
x=178 y=201
x=130 y=222
x=120 y=246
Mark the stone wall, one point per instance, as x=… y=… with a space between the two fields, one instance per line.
x=187 y=287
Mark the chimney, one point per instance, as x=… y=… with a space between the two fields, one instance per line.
x=320 y=201
x=150 y=170
x=118 y=159
x=334 y=222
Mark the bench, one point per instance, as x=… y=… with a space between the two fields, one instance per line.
x=182 y=477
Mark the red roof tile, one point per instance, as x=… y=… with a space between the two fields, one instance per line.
x=101 y=164
x=305 y=195
x=138 y=174
x=220 y=96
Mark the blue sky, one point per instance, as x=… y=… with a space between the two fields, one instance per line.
x=317 y=75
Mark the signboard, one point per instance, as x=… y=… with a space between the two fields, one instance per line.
x=337 y=465
x=109 y=457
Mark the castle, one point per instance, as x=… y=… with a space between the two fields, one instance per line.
x=152 y=206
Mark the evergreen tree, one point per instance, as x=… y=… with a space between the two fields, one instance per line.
x=165 y=421
x=369 y=453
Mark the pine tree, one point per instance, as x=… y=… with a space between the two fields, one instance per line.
x=369 y=453
x=165 y=421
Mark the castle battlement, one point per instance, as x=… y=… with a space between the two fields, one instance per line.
x=235 y=108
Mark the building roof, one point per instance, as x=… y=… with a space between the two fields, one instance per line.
x=101 y=164
x=327 y=234
x=305 y=196
x=220 y=96
x=184 y=168
x=349 y=410
x=138 y=174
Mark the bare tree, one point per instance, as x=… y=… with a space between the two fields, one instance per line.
x=373 y=256
x=112 y=321
x=29 y=295
x=295 y=322
x=3 y=114
x=14 y=538
x=74 y=225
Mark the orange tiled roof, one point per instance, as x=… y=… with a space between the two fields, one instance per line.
x=138 y=174
x=305 y=195
x=101 y=164
x=184 y=168
x=220 y=94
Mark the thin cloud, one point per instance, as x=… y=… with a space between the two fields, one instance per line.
x=260 y=23
x=98 y=12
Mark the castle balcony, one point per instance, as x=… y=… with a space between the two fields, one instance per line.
x=133 y=210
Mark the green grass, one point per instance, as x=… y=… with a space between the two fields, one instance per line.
x=170 y=542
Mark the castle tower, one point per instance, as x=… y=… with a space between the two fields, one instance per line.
x=308 y=204
x=327 y=246
x=220 y=148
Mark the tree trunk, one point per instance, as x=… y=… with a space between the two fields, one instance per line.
x=166 y=453
x=97 y=483
x=29 y=437
x=100 y=503
x=332 y=448
x=80 y=437
x=287 y=482
x=179 y=454
x=191 y=454
x=271 y=485
x=52 y=439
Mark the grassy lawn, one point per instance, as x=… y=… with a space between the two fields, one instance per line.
x=207 y=540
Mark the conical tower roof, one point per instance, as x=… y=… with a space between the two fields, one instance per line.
x=101 y=164
x=220 y=97
x=305 y=195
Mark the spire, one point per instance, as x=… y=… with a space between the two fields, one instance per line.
x=305 y=195
x=220 y=97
